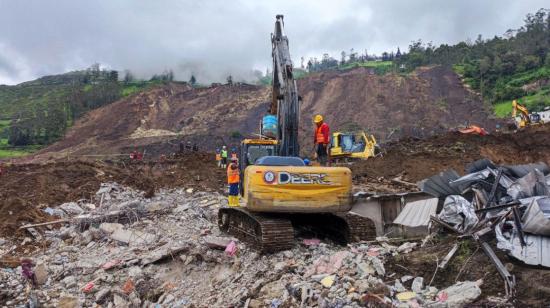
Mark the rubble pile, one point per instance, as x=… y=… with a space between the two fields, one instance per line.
x=121 y=249
x=509 y=205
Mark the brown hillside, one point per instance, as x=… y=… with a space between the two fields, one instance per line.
x=428 y=101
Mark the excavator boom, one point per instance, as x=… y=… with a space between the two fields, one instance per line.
x=285 y=103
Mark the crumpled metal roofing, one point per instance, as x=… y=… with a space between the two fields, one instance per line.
x=535 y=253
x=417 y=213
x=479 y=165
x=469 y=179
x=536 y=218
x=522 y=170
x=438 y=185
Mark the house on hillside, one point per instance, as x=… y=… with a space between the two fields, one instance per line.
x=545 y=115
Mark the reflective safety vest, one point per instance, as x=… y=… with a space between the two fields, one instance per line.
x=322 y=134
x=224 y=153
x=218 y=156
x=232 y=175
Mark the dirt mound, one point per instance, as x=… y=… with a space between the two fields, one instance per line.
x=26 y=189
x=426 y=102
x=416 y=159
x=423 y=103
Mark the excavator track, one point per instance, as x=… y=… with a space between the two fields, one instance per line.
x=265 y=233
x=359 y=228
x=268 y=233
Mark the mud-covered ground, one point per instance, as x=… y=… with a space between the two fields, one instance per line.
x=416 y=159
x=26 y=189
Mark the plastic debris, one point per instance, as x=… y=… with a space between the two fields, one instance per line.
x=231 y=249
x=459 y=213
x=88 y=287
x=461 y=293
x=111 y=264
x=312 y=242
x=405 y=296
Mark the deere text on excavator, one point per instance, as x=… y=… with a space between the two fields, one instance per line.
x=280 y=193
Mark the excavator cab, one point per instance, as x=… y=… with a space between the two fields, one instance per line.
x=251 y=151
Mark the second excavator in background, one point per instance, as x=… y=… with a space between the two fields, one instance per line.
x=525 y=117
x=280 y=193
x=349 y=146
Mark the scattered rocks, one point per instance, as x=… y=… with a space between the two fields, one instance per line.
x=143 y=262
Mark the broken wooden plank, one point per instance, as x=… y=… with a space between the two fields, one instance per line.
x=45 y=223
x=400 y=181
x=448 y=257
x=509 y=279
x=444 y=224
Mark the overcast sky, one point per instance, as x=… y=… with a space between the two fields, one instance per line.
x=214 y=38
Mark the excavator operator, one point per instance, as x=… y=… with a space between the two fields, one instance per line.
x=321 y=140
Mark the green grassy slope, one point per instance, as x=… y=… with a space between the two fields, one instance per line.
x=67 y=92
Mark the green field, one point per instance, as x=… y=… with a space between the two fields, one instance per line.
x=10 y=152
x=4 y=153
x=534 y=102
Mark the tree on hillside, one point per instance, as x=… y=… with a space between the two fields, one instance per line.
x=309 y=66
x=113 y=76
x=352 y=56
x=128 y=77
x=499 y=66
x=95 y=71
x=230 y=80
x=398 y=53
x=343 y=59
x=193 y=80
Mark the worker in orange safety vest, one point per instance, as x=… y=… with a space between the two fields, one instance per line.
x=321 y=140
x=233 y=179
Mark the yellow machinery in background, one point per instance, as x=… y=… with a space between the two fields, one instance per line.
x=525 y=118
x=349 y=146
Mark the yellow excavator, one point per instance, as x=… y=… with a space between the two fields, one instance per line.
x=525 y=118
x=351 y=146
x=280 y=194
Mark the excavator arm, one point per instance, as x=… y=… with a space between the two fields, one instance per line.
x=285 y=103
x=524 y=112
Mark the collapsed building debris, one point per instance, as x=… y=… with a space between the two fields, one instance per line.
x=177 y=244
x=509 y=202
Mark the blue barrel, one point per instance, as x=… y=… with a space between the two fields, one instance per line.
x=269 y=126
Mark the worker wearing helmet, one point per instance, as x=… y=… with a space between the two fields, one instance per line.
x=233 y=179
x=224 y=157
x=321 y=140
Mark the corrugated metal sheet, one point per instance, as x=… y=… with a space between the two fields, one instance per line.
x=536 y=218
x=522 y=170
x=536 y=252
x=479 y=165
x=466 y=181
x=438 y=185
x=417 y=213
